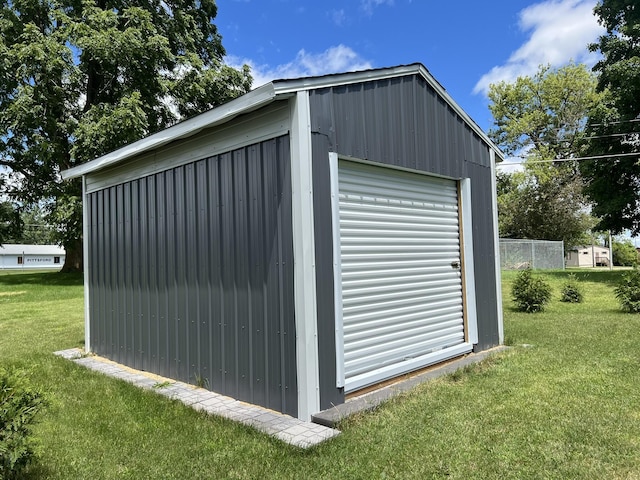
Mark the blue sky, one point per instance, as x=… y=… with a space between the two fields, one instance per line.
x=465 y=44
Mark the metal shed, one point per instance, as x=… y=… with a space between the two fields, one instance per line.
x=308 y=239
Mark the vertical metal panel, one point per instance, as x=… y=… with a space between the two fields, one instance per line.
x=402 y=299
x=193 y=274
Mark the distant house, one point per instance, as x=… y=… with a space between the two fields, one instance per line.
x=589 y=256
x=23 y=257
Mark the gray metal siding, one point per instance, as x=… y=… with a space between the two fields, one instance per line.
x=192 y=274
x=404 y=122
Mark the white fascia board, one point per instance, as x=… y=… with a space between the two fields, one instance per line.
x=496 y=248
x=333 y=80
x=216 y=116
x=305 y=299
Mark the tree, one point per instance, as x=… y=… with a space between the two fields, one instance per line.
x=9 y=223
x=542 y=118
x=81 y=78
x=612 y=182
x=35 y=229
x=539 y=203
x=624 y=253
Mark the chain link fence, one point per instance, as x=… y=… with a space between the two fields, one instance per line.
x=518 y=254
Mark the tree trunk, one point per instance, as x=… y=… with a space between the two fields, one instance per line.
x=73 y=261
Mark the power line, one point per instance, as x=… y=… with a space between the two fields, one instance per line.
x=595 y=157
x=614 y=123
x=612 y=135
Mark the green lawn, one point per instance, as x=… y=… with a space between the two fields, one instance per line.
x=563 y=403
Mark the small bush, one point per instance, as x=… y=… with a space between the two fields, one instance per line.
x=18 y=407
x=628 y=291
x=530 y=293
x=571 y=290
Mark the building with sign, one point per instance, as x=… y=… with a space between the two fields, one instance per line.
x=22 y=257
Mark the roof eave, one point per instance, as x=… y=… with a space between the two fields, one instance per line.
x=261 y=96
x=222 y=114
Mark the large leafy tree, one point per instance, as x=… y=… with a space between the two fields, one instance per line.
x=80 y=78
x=540 y=202
x=10 y=223
x=544 y=115
x=542 y=118
x=614 y=181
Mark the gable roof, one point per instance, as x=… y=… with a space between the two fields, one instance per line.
x=261 y=96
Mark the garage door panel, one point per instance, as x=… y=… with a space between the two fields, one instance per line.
x=414 y=325
x=399 y=244
x=370 y=302
x=402 y=352
x=405 y=317
x=394 y=277
x=419 y=302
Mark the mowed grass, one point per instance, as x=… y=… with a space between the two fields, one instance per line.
x=563 y=402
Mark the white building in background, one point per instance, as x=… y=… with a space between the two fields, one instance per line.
x=31 y=257
x=589 y=256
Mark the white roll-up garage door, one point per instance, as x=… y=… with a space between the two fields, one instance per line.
x=402 y=295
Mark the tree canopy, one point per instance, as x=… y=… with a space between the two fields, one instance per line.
x=542 y=118
x=613 y=182
x=543 y=115
x=81 y=78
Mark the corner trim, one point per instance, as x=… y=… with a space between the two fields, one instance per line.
x=496 y=247
x=86 y=265
x=305 y=299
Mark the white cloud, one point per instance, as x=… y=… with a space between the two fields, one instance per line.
x=560 y=31
x=369 y=5
x=335 y=59
x=510 y=165
x=338 y=17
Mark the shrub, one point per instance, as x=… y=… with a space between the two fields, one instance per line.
x=628 y=291
x=571 y=290
x=18 y=407
x=530 y=293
